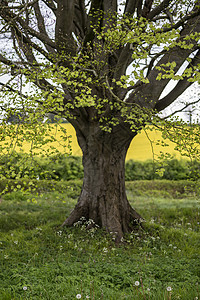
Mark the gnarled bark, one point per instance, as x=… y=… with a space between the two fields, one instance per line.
x=103 y=196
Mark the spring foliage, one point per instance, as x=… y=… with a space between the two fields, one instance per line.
x=101 y=63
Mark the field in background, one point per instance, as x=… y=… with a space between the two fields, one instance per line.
x=140 y=148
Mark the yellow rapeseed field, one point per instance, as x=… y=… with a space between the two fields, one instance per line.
x=140 y=148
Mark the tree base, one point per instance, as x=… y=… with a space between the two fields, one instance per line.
x=116 y=222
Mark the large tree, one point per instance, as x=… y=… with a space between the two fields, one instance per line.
x=102 y=65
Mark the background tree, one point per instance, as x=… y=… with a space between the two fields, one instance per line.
x=77 y=54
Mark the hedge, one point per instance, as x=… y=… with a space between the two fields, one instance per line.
x=64 y=167
x=164 y=188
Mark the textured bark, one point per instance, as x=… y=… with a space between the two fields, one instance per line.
x=103 y=196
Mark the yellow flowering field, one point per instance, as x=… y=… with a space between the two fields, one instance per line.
x=140 y=148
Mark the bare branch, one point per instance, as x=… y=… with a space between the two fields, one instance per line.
x=21 y=7
x=182 y=21
x=11 y=18
x=156 y=56
x=51 y=5
x=158 y=9
x=182 y=109
x=130 y=7
x=41 y=25
x=23 y=44
x=181 y=86
x=123 y=61
x=139 y=8
x=28 y=44
x=170 y=17
x=6 y=61
x=147 y=8
x=80 y=19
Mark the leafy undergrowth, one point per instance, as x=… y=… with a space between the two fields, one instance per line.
x=41 y=260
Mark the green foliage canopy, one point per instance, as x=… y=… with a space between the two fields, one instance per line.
x=101 y=62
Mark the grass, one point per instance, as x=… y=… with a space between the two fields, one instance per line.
x=41 y=260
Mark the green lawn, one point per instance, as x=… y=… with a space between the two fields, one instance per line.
x=41 y=260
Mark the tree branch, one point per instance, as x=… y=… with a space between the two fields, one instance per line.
x=6 y=85
x=25 y=42
x=64 y=27
x=158 y=9
x=110 y=10
x=181 y=86
x=41 y=25
x=51 y=5
x=130 y=7
x=11 y=18
x=93 y=19
x=80 y=19
x=7 y=61
x=21 y=7
x=111 y=92
x=110 y=6
x=146 y=8
x=153 y=90
x=181 y=22
x=23 y=45
x=150 y=66
x=182 y=109
x=123 y=61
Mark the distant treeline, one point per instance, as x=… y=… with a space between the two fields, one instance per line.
x=63 y=167
x=20 y=117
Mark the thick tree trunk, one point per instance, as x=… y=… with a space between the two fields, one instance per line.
x=103 y=196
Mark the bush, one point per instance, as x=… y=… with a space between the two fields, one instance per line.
x=60 y=167
x=73 y=187
x=176 y=170
x=136 y=170
x=173 y=169
x=65 y=167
